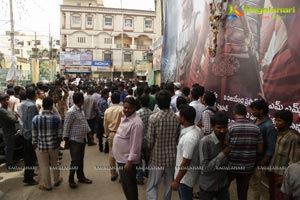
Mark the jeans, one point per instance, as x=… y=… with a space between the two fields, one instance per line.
x=155 y=175
x=185 y=192
x=9 y=141
x=129 y=184
x=242 y=183
x=222 y=194
x=77 y=156
x=29 y=161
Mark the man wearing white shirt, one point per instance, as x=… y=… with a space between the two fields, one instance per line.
x=196 y=93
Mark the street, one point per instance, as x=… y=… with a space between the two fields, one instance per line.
x=12 y=187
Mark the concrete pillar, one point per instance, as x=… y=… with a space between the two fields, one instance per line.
x=35 y=70
x=132 y=46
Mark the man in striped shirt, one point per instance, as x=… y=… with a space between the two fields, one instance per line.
x=46 y=138
x=246 y=141
x=74 y=133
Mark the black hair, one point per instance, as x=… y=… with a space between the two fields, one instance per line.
x=131 y=101
x=144 y=100
x=285 y=115
x=186 y=91
x=209 y=98
x=180 y=101
x=219 y=118
x=163 y=99
x=47 y=103
x=115 y=97
x=10 y=91
x=104 y=92
x=78 y=97
x=147 y=90
x=189 y=113
x=240 y=109
x=195 y=93
x=23 y=95
x=130 y=91
x=30 y=93
x=260 y=104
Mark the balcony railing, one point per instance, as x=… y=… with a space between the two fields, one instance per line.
x=124 y=45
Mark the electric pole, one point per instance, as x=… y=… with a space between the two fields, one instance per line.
x=12 y=31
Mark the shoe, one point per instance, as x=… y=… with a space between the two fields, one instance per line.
x=86 y=180
x=58 y=182
x=114 y=177
x=140 y=182
x=30 y=183
x=41 y=187
x=72 y=185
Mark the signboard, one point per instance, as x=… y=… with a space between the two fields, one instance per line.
x=77 y=69
x=76 y=58
x=257 y=52
x=101 y=63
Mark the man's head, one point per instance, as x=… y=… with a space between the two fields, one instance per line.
x=209 y=98
x=115 y=97
x=48 y=103
x=129 y=106
x=144 y=101
x=240 y=110
x=259 y=108
x=4 y=100
x=40 y=94
x=283 y=119
x=105 y=93
x=78 y=99
x=219 y=123
x=187 y=115
x=163 y=99
x=31 y=93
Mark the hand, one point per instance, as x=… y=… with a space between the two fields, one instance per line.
x=128 y=166
x=227 y=150
x=174 y=185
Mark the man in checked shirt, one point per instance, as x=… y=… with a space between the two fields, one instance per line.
x=162 y=138
x=74 y=133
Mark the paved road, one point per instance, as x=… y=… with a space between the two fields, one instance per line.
x=12 y=188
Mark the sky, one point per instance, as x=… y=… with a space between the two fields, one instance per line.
x=40 y=16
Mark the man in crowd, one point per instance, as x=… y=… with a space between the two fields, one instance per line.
x=260 y=110
x=196 y=93
x=127 y=148
x=28 y=111
x=187 y=160
x=286 y=153
x=246 y=141
x=209 y=100
x=46 y=138
x=74 y=132
x=89 y=108
x=112 y=119
x=214 y=151
x=7 y=122
x=162 y=139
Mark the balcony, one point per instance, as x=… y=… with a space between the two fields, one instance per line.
x=143 y=47
x=124 y=46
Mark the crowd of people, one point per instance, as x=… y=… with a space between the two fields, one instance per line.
x=169 y=132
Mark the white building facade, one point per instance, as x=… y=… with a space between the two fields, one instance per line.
x=94 y=34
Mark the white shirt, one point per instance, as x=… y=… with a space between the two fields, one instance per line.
x=199 y=107
x=188 y=148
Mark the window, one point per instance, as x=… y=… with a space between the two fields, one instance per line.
x=28 y=43
x=76 y=20
x=107 y=56
x=128 y=23
x=107 y=40
x=38 y=42
x=108 y=21
x=81 y=39
x=148 y=24
x=89 y=20
x=17 y=51
x=127 y=57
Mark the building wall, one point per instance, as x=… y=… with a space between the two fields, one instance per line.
x=101 y=38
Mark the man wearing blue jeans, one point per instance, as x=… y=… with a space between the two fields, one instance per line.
x=186 y=172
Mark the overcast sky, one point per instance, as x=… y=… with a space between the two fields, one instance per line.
x=38 y=15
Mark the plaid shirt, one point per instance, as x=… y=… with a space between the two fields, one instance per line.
x=102 y=105
x=162 y=138
x=206 y=115
x=45 y=131
x=144 y=113
x=75 y=125
x=286 y=151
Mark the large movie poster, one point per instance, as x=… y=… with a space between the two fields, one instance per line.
x=258 y=52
